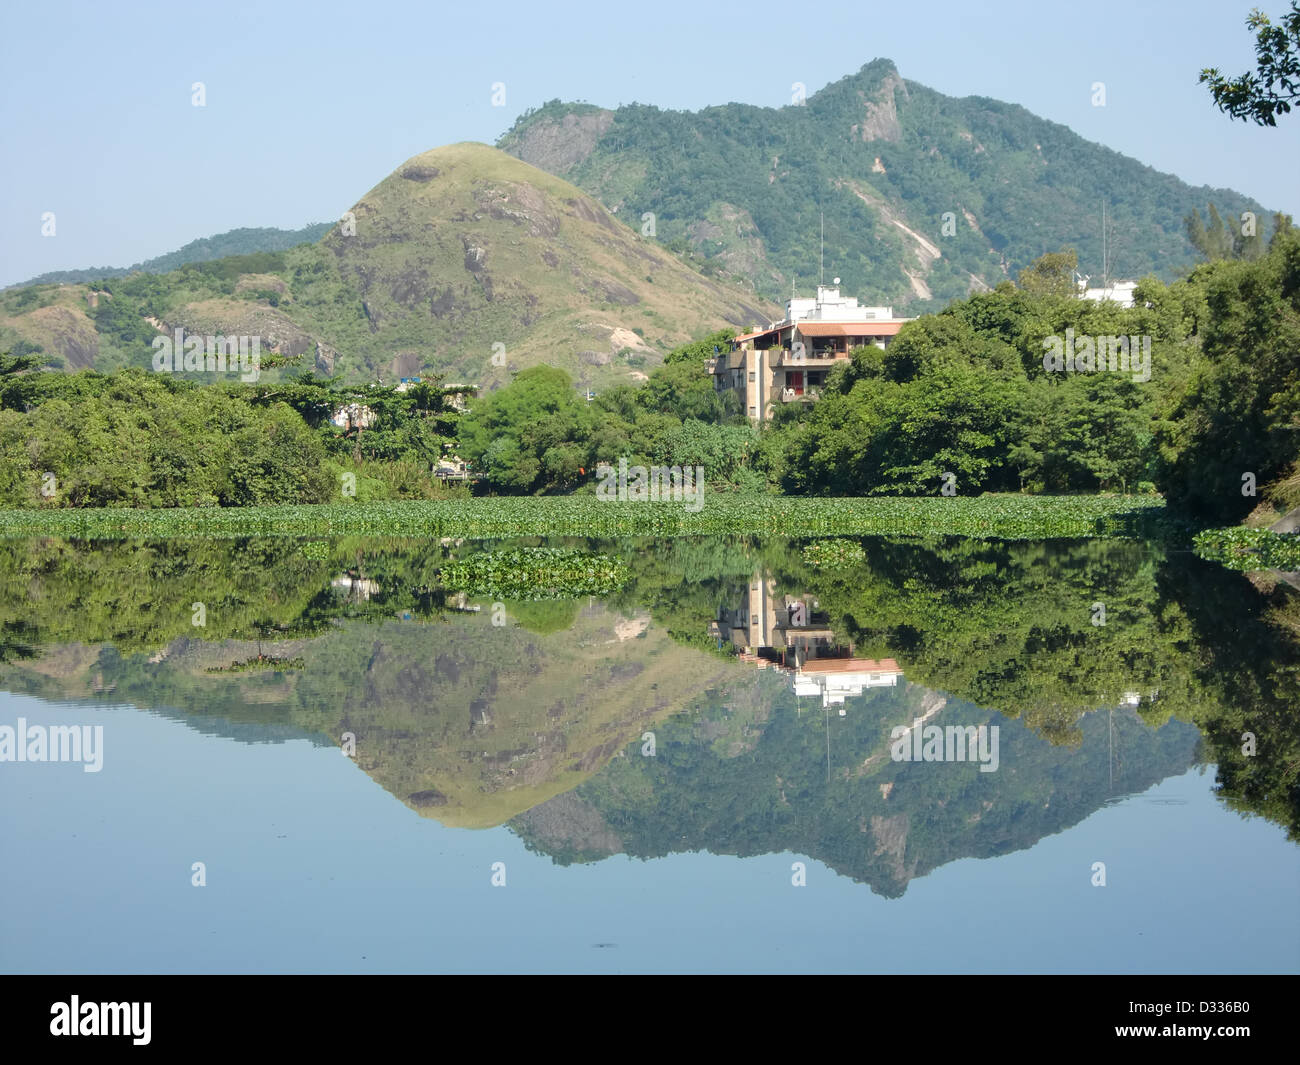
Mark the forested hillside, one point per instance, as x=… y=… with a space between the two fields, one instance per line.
x=925 y=197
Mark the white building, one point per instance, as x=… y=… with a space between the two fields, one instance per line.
x=789 y=360
x=354 y=416
x=835 y=679
x=1120 y=292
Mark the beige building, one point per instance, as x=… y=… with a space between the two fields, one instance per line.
x=788 y=361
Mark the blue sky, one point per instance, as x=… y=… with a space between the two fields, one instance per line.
x=310 y=105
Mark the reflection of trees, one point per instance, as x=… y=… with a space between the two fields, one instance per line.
x=14 y=642
x=1005 y=626
x=140 y=595
x=1244 y=652
x=1009 y=626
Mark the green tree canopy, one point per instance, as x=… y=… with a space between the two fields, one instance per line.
x=1260 y=96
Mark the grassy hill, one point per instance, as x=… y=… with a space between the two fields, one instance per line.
x=460 y=254
x=744 y=188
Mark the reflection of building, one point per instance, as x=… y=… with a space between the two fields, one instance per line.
x=789 y=633
x=453 y=468
x=355 y=588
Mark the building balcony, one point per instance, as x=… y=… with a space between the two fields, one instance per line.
x=811 y=359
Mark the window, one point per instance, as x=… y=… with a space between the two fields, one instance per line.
x=753 y=412
x=752 y=377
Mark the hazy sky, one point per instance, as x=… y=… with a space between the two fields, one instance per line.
x=310 y=105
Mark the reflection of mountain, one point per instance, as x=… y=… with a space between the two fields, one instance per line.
x=464 y=721
x=475 y=723
x=726 y=782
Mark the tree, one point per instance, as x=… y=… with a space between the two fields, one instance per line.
x=11 y=363
x=1219 y=240
x=531 y=436
x=1263 y=95
x=1051 y=274
x=1239 y=414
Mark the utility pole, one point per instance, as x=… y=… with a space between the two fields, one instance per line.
x=1105 y=264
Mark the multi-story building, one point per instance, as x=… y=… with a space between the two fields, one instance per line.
x=789 y=360
x=789 y=633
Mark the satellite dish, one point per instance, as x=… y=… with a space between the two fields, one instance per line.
x=837 y=281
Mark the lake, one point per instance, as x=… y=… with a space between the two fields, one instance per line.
x=700 y=754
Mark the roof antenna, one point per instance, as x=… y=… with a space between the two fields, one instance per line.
x=823 y=259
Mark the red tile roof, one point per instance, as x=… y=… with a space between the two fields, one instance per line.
x=850 y=665
x=848 y=329
x=761 y=332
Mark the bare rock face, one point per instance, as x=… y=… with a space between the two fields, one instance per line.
x=1288 y=523
x=68 y=333
x=559 y=146
x=569 y=823
x=325 y=359
x=475 y=256
x=880 y=116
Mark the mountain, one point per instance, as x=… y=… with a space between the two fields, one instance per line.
x=205 y=249
x=735 y=781
x=925 y=197
x=464 y=261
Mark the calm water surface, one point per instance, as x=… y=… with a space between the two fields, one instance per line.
x=937 y=757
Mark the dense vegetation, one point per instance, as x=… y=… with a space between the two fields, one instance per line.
x=964 y=398
x=1237 y=425
x=525 y=574
x=1009 y=517
x=141 y=440
x=1250 y=549
x=246 y=241
x=962 y=402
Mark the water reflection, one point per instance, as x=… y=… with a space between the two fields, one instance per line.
x=791 y=633
x=675 y=713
